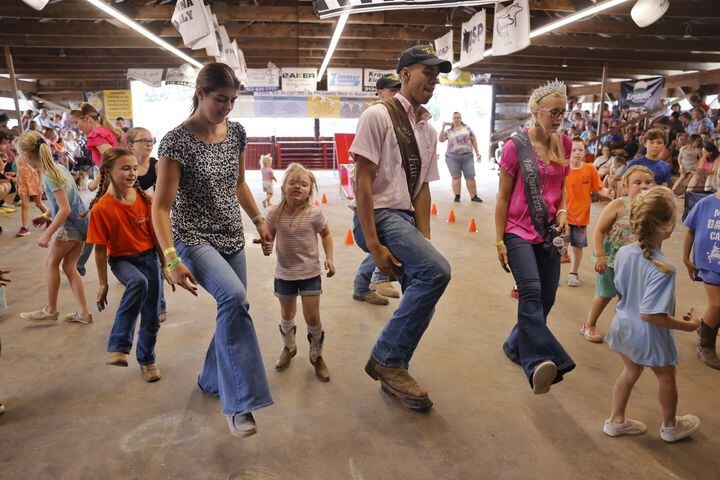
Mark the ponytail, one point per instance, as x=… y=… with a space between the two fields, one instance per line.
x=34 y=145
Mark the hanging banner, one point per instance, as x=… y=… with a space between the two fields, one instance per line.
x=344 y=79
x=472 y=47
x=372 y=76
x=149 y=76
x=299 y=79
x=191 y=20
x=642 y=94
x=262 y=80
x=111 y=103
x=511 y=31
x=444 y=47
x=464 y=80
x=177 y=76
x=241 y=71
x=335 y=8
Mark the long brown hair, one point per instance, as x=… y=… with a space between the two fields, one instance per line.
x=110 y=156
x=88 y=110
x=214 y=76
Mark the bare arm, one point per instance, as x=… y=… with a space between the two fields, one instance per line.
x=421 y=205
x=443 y=135
x=473 y=140
x=247 y=202
x=501 y=213
x=62 y=214
x=327 y=243
x=93 y=184
x=687 y=249
x=690 y=322
x=606 y=220
x=101 y=265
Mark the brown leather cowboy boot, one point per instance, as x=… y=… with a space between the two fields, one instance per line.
x=316 y=359
x=707 y=337
x=398 y=382
x=289 y=350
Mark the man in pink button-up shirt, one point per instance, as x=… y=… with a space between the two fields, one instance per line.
x=393 y=224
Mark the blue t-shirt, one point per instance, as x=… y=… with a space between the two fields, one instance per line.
x=643 y=289
x=704 y=219
x=77 y=206
x=661 y=169
x=694 y=127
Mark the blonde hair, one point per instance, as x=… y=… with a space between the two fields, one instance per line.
x=133 y=133
x=34 y=145
x=266 y=159
x=556 y=151
x=88 y=110
x=635 y=169
x=652 y=211
x=295 y=170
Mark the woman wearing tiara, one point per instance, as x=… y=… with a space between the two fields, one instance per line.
x=529 y=215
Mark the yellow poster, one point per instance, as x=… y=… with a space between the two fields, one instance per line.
x=464 y=80
x=118 y=103
x=324 y=107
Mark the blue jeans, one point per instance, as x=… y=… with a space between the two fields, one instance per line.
x=143 y=283
x=537 y=273
x=424 y=276
x=367 y=272
x=84 y=256
x=233 y=366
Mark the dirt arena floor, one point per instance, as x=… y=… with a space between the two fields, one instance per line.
x=70 y=416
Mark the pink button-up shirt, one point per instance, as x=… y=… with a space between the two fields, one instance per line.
x=376 y=141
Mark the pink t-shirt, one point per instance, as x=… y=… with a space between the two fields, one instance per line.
x=551 y=185
x=267 y=174
x=99 y=136
x=376 y=141
x=296 y=242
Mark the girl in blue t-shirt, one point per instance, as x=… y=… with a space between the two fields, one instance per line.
x=642 y=329
x=66 y=233
x=703 y=240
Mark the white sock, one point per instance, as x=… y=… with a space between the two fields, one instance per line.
x=315 y=331
x=286 y=326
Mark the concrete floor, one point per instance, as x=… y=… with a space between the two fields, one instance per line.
x=71 y=416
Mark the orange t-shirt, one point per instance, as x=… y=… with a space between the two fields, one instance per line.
x=579 y=183
x=124 y=229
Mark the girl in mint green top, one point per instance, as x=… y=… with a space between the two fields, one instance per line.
x=612 y=231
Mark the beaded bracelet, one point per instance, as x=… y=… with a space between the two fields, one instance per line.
x=168 y=251
x=173 y=262
x=257 y=218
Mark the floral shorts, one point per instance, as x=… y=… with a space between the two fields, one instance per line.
x=69 y=234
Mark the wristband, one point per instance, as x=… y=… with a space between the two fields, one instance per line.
x=562 y=210
x=499 y=243
x=257 y=218
x=168 y=251
x=165 y=269
x=47 y=216
x=173 y=262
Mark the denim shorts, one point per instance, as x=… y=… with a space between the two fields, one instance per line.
x=292 y=288
x=69 y=234
x=464 y=164
x=578 y=236
x=605 y=284
x=709 y=277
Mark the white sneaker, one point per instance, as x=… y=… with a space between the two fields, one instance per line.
x=39 y=316
x=77 y=318
x=628 y=427
x=543 y=376
x=684 y=427
x=573 y=280
x=241 y=425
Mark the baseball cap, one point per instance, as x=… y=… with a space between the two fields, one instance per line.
x=391 y=80
x=425 y=55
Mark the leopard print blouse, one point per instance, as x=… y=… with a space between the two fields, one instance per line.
x=206 y=208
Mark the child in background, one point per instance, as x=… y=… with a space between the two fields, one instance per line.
x=655 y=140
x=29 y=188
x=614 y=177
x=122 y=231
x=582 y=180
x=268 y=177
x=642 y=329
x=612 y=231
x=703 y=240
x=295 y=224
x=688 y=158
x=66 y=233
x=704 y=175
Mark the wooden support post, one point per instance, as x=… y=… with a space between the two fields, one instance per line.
x=11 y=70
x=602 y=104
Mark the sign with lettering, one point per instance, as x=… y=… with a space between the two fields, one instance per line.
x=299 y=79
x=372 y=76
x=344 y=79
x=149 y=76
x=472 y=48
x=444 y=47
x=191 y=18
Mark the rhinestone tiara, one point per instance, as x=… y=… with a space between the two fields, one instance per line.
x=555 y=86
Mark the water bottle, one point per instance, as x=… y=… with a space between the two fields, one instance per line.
x=559 y=243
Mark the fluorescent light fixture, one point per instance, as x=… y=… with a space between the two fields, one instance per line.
x=143 y=31
x=333 y=43
x=575 y=17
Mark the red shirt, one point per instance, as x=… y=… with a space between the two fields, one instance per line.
x=124 y=229
x=99 y=136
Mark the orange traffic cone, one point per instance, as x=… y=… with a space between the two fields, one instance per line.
x=317 y=203
x=433 y=210
x=324 y=198
x=451 y=217
x=472 y=228
x=349 y=240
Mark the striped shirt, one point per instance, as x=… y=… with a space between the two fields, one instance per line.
x=296 y=242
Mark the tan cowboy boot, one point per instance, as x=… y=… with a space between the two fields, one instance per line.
x=289 y=350
x=397 y=382
x=707 y=337
x=321 y=370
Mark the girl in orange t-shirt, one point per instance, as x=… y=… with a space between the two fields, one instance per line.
x=121 y=229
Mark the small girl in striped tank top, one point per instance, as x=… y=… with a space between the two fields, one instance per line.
x=295 y=224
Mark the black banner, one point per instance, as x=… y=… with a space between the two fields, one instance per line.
x=642 y=94
x=335 y=8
